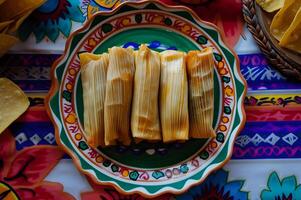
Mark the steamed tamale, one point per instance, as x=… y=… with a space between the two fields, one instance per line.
x=145 y=122
x=174 y=96
x=200 y=66
x=119 y=89
x=93 y=76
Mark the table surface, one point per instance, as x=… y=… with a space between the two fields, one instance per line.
x=266 y=158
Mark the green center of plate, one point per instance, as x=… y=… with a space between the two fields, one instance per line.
x=145 y=154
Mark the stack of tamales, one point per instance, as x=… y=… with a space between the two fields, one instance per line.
x=146 y=95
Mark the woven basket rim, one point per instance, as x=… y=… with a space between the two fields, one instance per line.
x=288 y=68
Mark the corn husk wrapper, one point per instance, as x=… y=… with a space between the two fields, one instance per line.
x=145 y=123
x=119 y=91
x=93 y=75
x=13 y=102
x=270 y=5
x=284 y=18
x=174 y=96
x=200 y=66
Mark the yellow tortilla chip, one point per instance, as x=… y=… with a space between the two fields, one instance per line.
x=292 y=37
x=13 y=103
x=270 y=5
x=283 y=19
x=13 y=27
x=2 y=1
x=6 y=42
x=4 y=25
x=12 y=8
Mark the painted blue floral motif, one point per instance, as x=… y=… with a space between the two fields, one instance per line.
x=156 y=45
x=287 y=189
x=217 y=187
x=53 y=17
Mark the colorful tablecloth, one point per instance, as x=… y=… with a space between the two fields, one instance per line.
x=266 y=158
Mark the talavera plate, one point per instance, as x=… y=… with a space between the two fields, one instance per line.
x=156 y=168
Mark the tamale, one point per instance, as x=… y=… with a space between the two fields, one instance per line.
x=284 y=17
x=145 y=123
x=200 y=66
x=119 y=89
x=93 y=76
x=292 y=36
x=174 y=96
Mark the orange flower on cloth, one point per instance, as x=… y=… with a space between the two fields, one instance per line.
x=226 y=14
x=22 y=173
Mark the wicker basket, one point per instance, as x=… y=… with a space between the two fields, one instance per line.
x=276 y=56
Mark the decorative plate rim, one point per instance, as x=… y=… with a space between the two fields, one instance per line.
x=55 y=88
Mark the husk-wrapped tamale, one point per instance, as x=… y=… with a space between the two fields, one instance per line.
x=174 y=96
x=119 y=90
x=93 y=76
x=145 y=123
x=200 y=66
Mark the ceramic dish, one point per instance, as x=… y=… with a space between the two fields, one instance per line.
x=259 y=21
x=156 y=168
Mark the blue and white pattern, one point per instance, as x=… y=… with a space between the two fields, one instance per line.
x=260 y=76
x=33 y=133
